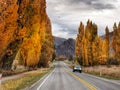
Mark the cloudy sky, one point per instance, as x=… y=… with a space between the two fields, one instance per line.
x=66 y=15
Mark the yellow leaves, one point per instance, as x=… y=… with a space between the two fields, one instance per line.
x=21 y=33
x=8 y=25
x=116 y=41
x=78 y=49
x=97 y=50
x=42 y=30
x=27 y=24
x=32 y=46
x=35 y=32
x=90 y=46
x=10 y=14
x=36 y=23
x=32 y=57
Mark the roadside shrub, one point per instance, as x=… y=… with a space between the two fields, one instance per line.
x=80 y=60
x=112 y=61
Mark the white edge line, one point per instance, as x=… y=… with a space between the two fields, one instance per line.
x=104 y=79
x=38 y=81
x=45 y=80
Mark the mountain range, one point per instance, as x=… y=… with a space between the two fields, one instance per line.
x=64 y=47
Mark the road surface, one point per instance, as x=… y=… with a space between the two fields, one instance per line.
x=62 y=78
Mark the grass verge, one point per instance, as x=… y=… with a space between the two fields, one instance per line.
x=112 y=72
x=104 y=76
x=109 y=72
x=27 y=80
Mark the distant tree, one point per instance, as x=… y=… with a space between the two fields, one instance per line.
x=118 y=44
x=83 y=51
x=114 y=39
x=84 y=43
x=47 y=51
x=90 y=35
x=97 y=50
x=78 y=49
x=107 y=38
x=104 y=53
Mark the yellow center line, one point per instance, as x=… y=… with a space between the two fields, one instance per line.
x=81 y=80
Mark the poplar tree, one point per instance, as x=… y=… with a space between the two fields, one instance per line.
x=118 y=44
x=107 y=36
x=78 y=49
x=114 y=39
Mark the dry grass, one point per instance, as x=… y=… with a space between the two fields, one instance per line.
x=111 y=72
x=27 y=80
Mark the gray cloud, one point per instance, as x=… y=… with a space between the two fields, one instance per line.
x=65 y=15
x=100 y=6
x=92 y=4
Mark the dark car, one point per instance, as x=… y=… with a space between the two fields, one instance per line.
x=77 y=68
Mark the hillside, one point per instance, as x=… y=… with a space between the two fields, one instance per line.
x=65 y=47
x=58 y=41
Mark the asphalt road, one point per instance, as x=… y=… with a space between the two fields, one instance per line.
x=62 y=78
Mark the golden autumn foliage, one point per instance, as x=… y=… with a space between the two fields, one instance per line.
x=8 y=25
x=105 y=48
x=25 y=30
x=47 y=47
x=114 y=39
x=107 y=38
x=30 y=49
x=33 y=43
x=104 y=53
x=97 y=50
x=116 y=42
x=78 y=48
x=92 y=49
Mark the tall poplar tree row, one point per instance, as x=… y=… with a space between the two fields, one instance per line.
x=78 y=48
x=91 y=49
x=84 y=42
x=116 y=42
